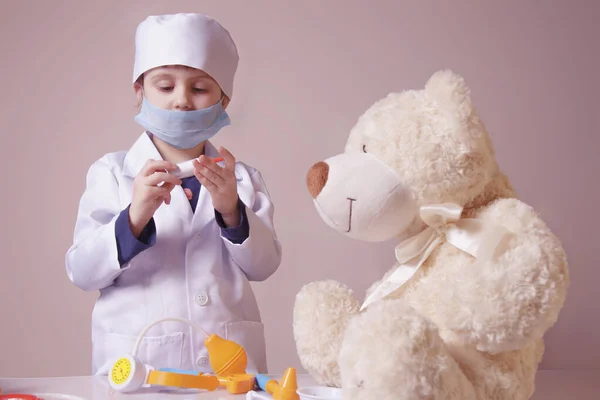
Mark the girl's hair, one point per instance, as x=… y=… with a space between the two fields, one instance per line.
x=140 y=82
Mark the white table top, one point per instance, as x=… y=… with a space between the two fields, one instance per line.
x=97 y=388
x=551 y=385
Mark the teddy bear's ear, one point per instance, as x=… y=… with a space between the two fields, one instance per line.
x=451 y=92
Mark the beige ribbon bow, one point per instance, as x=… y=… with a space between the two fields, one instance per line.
x=474 y=236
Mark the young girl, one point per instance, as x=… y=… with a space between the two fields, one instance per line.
x=157 y=246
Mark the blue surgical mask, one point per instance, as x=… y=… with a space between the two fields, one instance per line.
x=183 y=129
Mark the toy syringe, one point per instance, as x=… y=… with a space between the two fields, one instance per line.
x=186 y=168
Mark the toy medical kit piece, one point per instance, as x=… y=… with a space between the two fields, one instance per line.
x=186 y=168
x=227 y=359
x=238 y=383
x=282 y=390
x=183 y=380
x=235 y=383
x=18 y=396
x=128 y=374
x=320 y=393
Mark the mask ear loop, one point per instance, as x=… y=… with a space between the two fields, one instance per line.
x=175 y=319
x=144 y=98
x=221 y=99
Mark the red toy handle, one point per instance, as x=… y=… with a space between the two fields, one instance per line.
x=18 y=396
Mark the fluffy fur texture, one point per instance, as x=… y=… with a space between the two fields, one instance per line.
x=455 y=330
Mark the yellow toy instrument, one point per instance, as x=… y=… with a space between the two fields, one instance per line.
x=227 y=359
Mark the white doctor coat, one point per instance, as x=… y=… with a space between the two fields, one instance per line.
x=192 y=271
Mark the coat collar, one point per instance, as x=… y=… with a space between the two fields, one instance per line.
x=144 y=149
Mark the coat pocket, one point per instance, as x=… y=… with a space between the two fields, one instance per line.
x=251 y=336
x=157 y=351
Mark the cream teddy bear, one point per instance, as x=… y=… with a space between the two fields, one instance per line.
x=479 y=279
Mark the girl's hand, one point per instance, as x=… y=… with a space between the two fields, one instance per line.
x=221 y=184
x=148 y=195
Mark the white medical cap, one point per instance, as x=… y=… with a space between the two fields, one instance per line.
x=193 y=40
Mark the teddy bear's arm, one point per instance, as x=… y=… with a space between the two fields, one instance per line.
x=507 y=303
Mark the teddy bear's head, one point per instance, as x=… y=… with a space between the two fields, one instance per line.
x=410 y=149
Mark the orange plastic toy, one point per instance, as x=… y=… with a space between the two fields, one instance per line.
x=283 y=390
x=166 y=378
x=238 y=383
x=229 y=360
x=226 y=357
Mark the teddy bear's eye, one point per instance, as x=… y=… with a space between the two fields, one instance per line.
x=364 y=148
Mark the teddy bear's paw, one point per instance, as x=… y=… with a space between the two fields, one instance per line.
x=321 y=313
x=389 y=352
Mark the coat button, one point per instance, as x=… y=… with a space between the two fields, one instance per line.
x=201 y=299
x=202 y=362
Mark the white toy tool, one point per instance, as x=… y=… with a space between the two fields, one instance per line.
x=186 y=168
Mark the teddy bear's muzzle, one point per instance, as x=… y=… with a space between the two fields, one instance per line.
x=361 y=197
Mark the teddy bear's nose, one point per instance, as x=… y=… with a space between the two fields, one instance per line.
x=317 y=178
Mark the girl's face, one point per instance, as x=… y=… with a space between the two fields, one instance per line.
x=179 y=88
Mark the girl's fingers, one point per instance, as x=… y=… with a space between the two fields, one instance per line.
x=210 y=165
x=212 y=176
x=229 y=159
x=207 y=183
x=154 y=193
x=164 y=177
x=153 y=166
x=167 y=186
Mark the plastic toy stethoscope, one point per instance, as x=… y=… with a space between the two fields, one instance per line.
x=129 y=373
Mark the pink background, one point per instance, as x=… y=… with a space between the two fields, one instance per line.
x=308 y=70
